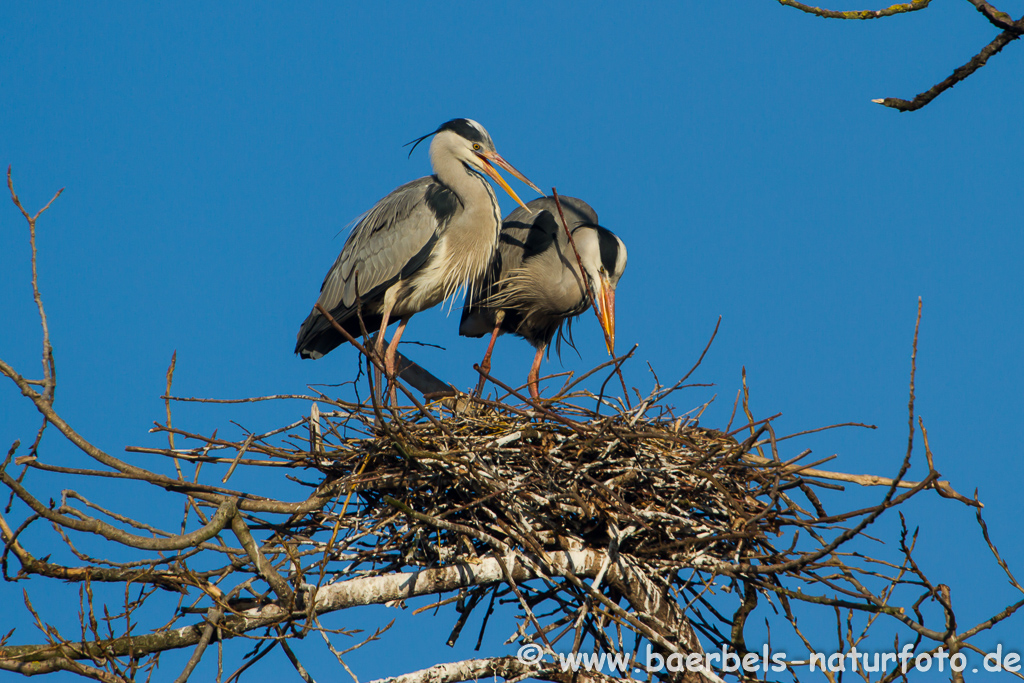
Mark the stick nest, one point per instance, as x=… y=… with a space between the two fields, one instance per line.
x=667 y=492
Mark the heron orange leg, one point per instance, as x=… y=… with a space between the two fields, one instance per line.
x=379 y=350
x=389 y=359
x=485 y=364
x=534 y=375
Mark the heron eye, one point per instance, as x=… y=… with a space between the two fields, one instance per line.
x=476 y=147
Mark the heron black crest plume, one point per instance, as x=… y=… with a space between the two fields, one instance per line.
x=415 y=143
x=462 y=127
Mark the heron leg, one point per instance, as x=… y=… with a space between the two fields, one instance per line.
x=389 y=359
x=379 y=352
x=534 y=375
x=485 y=364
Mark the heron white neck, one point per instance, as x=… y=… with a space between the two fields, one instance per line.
x=470 y=185
x=472 y=231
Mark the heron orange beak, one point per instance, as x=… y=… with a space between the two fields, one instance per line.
x=487 y=157
x=606 y=312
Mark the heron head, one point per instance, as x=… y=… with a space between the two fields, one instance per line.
x=603 y=256
x=467 y=141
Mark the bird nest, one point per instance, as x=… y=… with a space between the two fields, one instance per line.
x=551 y=487
x=670 y=492
x=605 y=527
x=647 y=506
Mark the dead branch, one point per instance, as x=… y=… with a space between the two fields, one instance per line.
x=1011 y=30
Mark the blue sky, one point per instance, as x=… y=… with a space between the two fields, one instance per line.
x=214 y=156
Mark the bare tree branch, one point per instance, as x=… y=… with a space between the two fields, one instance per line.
x=901 y=8
x=1011 y=30
x=959 y=74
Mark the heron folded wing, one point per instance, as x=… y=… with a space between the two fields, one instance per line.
x=386 y=245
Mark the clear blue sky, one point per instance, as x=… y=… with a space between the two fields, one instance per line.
x=214 y=156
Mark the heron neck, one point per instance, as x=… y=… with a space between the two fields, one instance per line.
x=474 y=192
x=467 y=183
x=472 y=231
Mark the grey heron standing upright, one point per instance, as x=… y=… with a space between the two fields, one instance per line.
x=535 y=283
x=418 y=246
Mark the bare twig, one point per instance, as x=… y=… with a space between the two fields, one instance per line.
x=900 y=8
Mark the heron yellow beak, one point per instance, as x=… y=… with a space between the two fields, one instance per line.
x=606 y=312
x=487 y=157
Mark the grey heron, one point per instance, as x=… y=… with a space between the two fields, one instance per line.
x=535 y=285
x=417 y=246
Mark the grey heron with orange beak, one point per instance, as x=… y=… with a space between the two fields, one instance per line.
x=535 y=284
x=420 y=245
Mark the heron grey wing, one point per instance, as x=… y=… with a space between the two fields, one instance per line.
x=577 y=212
x=381 y=246
x=525 y=236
